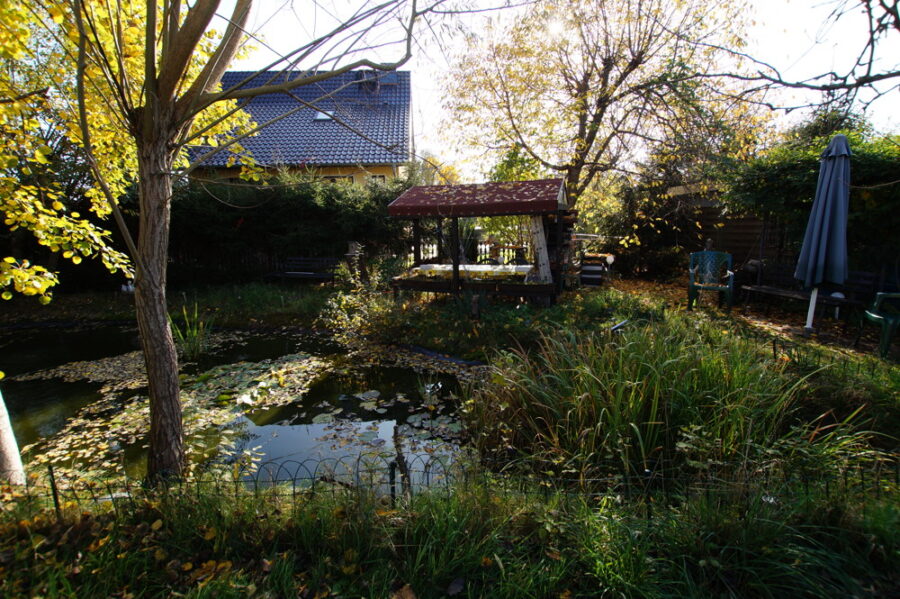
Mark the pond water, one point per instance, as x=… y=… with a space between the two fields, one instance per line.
x=283 y=398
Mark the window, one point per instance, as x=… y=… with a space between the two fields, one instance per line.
x=324 y=115
x=376 y=178
x=338 y=178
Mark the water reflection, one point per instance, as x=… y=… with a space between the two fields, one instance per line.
x=393 y=413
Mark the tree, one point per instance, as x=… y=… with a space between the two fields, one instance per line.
x=513 y=165
x=148 y=72
x=11 y=469
x=588 y=87
x=33 y=193
x=868 y=70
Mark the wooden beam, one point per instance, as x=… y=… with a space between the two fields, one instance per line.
x=454 y=252
x=541 y=258
x=560 y=267
x=417 y=243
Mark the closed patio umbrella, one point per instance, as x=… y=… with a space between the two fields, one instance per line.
x=823 y=257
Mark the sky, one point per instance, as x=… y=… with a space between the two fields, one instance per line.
x=795 y=36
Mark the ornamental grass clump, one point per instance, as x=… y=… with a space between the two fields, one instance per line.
x=192 y=335
x=586 y=405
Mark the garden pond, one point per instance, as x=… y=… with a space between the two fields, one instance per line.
x=285 y=398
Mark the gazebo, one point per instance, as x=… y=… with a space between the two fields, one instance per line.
x=551 y=221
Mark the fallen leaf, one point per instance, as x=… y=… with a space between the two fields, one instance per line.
x=405 y=592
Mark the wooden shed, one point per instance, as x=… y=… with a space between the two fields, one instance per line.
x=551 y=222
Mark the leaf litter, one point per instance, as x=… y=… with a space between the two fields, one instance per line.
x=105 y=436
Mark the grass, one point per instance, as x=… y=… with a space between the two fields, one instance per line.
x=679 y=392
x=242 y=305
x=692 y=396
x=482 y=540
x=445 y=324
x=192 y=335
x=263 y=304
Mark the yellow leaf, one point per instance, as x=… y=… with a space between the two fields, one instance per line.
x=76 y=259
x=159 y=555
x=210 y=534
x=187 y=566
x=156 y=525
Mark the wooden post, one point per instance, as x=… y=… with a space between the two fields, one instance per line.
x=440 y=240
x=417 y=243
x=542 y=260
x=560 y=271
x=454 y=244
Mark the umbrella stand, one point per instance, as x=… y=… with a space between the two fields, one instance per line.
x=812 y=310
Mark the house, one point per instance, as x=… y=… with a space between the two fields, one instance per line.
x=352 y=127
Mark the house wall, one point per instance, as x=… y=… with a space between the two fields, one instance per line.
x=360 y=174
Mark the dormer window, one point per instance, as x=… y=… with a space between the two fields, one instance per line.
x=324 y=115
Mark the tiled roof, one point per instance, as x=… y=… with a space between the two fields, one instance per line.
x=541 y=196
x=373 y=106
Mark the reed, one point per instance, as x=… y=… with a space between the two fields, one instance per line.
x=192 y=335
x=584 y=405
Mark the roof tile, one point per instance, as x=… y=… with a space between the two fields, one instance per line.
x=371 y=119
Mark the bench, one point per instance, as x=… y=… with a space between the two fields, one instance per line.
x=306 y=269
x=778 y=281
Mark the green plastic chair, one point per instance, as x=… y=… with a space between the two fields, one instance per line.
x=710 y=271
x=888 y=320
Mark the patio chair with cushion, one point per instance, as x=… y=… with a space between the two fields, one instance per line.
x=885 y=312
x=710 y=271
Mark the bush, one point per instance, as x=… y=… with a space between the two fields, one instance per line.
x=230 y=233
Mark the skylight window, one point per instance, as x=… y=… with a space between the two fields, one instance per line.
x=324 y=115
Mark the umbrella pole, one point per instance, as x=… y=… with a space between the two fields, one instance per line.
x=812 y=310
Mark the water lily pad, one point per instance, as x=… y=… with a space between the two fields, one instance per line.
x=323 y=419
x=367 y=436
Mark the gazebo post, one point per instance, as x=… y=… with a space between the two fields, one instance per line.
x=454 y=253
x=417 y=243
x=440 y=239
x=559 y=251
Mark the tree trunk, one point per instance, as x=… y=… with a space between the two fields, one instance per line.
x=573 y=174
x=10 y=462
x=166 y=457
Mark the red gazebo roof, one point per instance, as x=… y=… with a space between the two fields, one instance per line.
x=483 y=199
